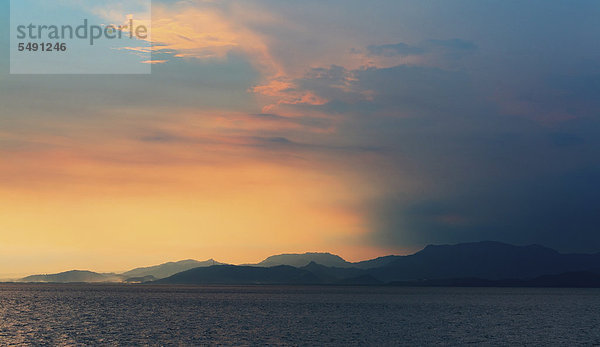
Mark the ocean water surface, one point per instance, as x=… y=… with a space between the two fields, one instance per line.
x=279 y=315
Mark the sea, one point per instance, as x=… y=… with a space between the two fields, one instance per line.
x=131 y=315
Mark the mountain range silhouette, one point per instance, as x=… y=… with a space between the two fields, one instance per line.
x=469 y=264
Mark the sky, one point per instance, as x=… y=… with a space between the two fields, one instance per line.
x=274 y=126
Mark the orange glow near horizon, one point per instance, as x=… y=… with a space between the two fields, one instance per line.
x=79 y=202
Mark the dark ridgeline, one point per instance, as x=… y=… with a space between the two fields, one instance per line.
x=485 y=260
x=230 y=274
x=138 y=275
x=74 y=276
x=299 y=260
x=168 y=269
x=469 y=264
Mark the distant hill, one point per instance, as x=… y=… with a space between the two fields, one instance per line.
x=74 y=276
x=313 y=273
x=484 y=260
x=230 y=274
x=326 y=259
x=169 y=269
x=329 y=274
x=139 y=275
x=377 y=262
x=300 y=260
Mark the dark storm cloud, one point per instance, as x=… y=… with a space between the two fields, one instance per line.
x=481 y=172
x=561 y=211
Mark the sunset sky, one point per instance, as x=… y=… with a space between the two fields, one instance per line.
x=361 y=128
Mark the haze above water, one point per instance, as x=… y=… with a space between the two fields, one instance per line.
x=158 y=315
